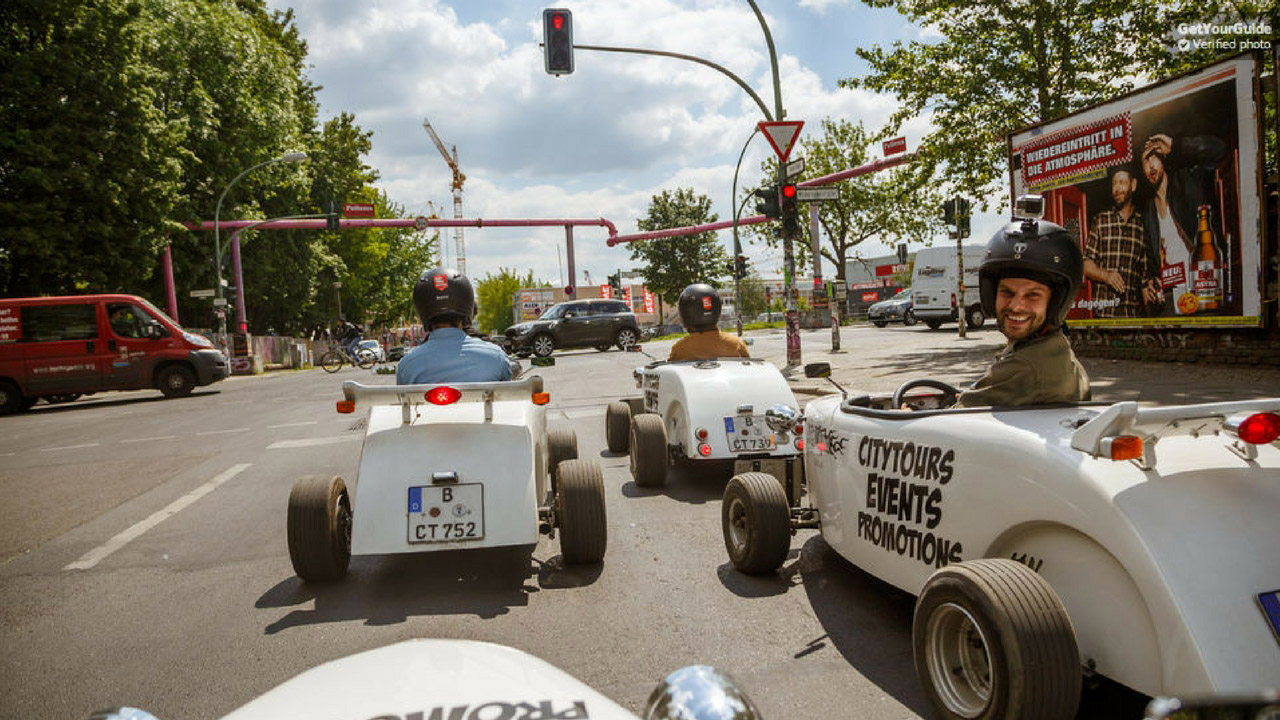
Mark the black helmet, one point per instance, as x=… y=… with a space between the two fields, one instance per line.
x=442 y=292
x=699 y=306
x=1035 y=250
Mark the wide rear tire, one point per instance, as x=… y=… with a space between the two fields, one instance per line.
x=319 y=528
x=648 y=450
x=617 y=426
x=756 y=522
x=992 y=641
x=580 y=510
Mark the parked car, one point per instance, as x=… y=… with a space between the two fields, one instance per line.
x=379 y=354
x=894 y=309
x=600 y=324
x=60 y=348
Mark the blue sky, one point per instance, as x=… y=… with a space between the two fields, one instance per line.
x=598 y=143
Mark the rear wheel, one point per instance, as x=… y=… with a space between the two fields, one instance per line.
x=319 y=525
x=933 y=324
x=61 y=398
x=331 y=361
x=626 y=337
x=974 y=317
x=581 y=514
x=756 y=522
x=365 y=358
x=617 y=426
x=562 y=444
x=10 y=398
x=603 y=348
x=879 y=323
x=543 y=345
x=909 y=318
x=176 y=381
x=992 y=641
x=648 y=450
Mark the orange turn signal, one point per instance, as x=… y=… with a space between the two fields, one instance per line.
x=346 y=406
x=541 y=398
x=1124 y=447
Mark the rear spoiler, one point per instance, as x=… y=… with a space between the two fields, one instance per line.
x=1126 y=422
x=411 y=396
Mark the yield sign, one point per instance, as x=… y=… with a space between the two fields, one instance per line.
x=782 y=135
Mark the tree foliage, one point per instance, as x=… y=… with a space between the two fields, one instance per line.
x=495 y=294
x=998 y=67
x=672 y=264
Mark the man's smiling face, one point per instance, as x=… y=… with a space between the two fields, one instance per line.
x=1021 y=306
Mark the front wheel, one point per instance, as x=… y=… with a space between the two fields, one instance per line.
x=562 y=445
x=581 y=514
x=992 y=641
x=603 y=348
x=933 y=324
x=648 y=450
x=543 y=345
x=319 y=528
x=756 y=523
x=617 y=426
x=879 y=323
x=909 y=318
x=331 y=361
x=176 y=381
x=365 y=359
x=975 y=318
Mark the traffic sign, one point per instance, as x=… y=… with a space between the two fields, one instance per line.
x=203 y=293
x=795 y=167
x=817 y=194
x=894 y=146
x=420 y=223
x=568 y=290
x=354 y=210
x=781 y=135
x=219 y=302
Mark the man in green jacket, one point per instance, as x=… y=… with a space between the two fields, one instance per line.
x=1028 y=281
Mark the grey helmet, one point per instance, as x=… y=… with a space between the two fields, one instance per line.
x=1035 y=250
x=442 y=292
x=699 y=306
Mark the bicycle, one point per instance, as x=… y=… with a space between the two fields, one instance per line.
x=333 y=359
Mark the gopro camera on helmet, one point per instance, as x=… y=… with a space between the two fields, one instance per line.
x=1030 y=207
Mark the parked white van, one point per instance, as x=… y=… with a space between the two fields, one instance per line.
x=934 y=287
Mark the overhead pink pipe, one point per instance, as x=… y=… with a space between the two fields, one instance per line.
x=860 y=170
x=321 y=223
x=691 y=230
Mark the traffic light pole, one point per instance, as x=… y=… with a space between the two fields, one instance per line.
x=737 y=243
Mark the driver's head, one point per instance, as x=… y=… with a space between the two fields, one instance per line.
x=1029 y=277
x=699 y=307
x=444 y=298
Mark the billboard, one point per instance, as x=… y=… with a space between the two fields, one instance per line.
x=1163 y=189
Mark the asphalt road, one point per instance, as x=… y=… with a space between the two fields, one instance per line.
x=143 y=561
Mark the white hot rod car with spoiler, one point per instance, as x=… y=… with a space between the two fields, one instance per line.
x=1046 y=543
x=450 y=467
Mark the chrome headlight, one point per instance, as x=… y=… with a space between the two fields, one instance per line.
x=699 y=692
x=781 y=418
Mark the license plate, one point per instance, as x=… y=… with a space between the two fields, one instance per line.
x=748 y=433
x=446 y=513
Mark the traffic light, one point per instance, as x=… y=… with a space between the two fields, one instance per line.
x=790 y=210
x=615 y=283
x=740 y=267
x=557 y=35
x=949 y=212
x=768 y=205
x=962 y=218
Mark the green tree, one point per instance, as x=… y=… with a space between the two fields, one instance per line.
x=495 y=294
x=885 y=205
x=998 y=68
x=672 y=264
x=753 y=298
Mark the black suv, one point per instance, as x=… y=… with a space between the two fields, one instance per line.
x=577 y=323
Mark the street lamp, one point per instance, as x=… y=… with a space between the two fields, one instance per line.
x=219 y=301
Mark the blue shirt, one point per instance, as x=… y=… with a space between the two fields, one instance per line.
x=450 y=355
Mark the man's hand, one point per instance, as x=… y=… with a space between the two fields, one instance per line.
x=1113 y=278
x=1151 y=292
x=1160 y=142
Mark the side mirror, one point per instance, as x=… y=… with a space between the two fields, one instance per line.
x=155 y=332
x=542 y=361
x=781 y=418
x=699 y=692
x=817 y=370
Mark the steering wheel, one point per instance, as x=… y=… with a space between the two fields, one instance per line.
x=949 y=390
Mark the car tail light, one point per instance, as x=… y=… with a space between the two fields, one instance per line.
x=1124 y=447
x=799 y=430
x=704 y=449
x=1257 y=429
x=700 y=433
x=442 y=395
x=346 y=406
x=541 y=398
x=953 y=299
x=800 y=443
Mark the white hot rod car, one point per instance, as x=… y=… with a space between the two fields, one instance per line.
x=450 y=467
x=707 y=410
x=1046 y=544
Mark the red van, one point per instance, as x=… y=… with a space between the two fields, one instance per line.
x=60 y=348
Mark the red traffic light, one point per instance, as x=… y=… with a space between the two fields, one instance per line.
x=557 y=21
x=789 y=191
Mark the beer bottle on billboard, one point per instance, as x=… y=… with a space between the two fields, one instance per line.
x=1208 y=272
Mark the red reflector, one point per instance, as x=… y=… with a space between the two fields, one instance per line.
x=442 y=395
x=704 y=449
x=701 y=433
x=799 y=443
x=822 y=447
x=541 y=398
x=1126 y=447
x=799 y=429
x=346 y=406
x=1260 y=428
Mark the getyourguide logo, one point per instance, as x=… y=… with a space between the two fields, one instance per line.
x=441 y=282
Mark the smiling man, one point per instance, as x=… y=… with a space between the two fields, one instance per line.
x=1028 y=281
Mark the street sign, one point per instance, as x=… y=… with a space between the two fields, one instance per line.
x=219 y=302
x=203 y=293
x=420 y=223
x=817 y=194
x=568 y=290
x=354 y=210
x=781 y=135
x=894 y=146
x=795 y=167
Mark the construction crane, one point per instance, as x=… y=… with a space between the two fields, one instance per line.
x=459 y=246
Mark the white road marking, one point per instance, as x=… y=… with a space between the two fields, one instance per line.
x=222 y=432
x=147 y=439
x=297 y=424
x=96 y=555
x=70 y=447
x=312 y=442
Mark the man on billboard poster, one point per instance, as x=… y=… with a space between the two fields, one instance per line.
x=1117 y=260
x=1180 y=176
